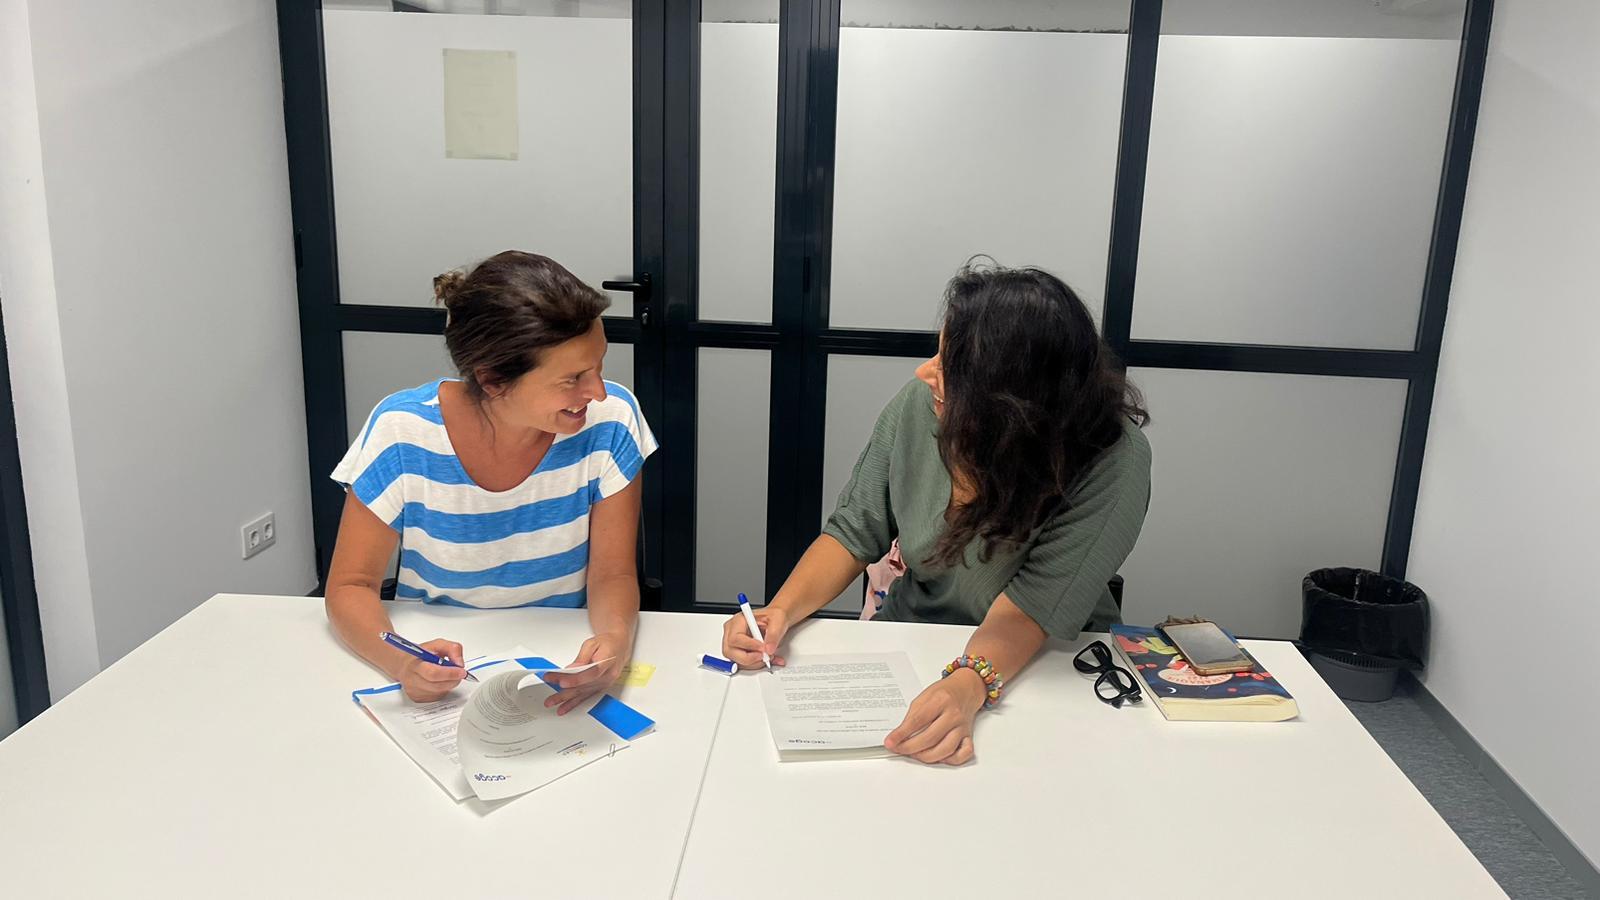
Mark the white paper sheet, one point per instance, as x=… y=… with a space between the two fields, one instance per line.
x=480 y=104
x=511 y=743
x=838 y=706
x=427 y=731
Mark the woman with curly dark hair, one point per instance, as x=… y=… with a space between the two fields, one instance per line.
x=1013 y=474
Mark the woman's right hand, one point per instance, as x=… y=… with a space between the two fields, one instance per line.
x=425 y=682
x=741 y=647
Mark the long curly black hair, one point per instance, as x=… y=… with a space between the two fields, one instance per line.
x=1033 y=396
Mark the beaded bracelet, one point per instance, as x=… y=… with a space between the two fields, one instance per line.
x=992 y=681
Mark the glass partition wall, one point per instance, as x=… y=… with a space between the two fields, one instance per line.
x=1259 y=204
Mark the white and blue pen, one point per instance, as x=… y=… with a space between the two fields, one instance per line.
x=755 y=630
x=400 y=643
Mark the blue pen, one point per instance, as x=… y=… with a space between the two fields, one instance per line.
x=755 y=630
x=400 y=643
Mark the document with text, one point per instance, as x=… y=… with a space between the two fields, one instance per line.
x=495 y=739
x=838 y=706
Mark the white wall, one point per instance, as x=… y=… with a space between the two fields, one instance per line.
x=1510 y=502
x=168 y=408
x=38 y=377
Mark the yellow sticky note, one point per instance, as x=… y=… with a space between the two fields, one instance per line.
x=636 y=674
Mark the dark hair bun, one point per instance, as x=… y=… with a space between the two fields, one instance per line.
x=446 y=287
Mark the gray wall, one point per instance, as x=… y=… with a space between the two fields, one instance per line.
x=156 y=361
x=1510 y=502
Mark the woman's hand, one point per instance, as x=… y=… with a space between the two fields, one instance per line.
x=938 y=726
x=739 y=645
x=576 y=688
x=425 y=682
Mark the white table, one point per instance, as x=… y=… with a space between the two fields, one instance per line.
x=1075 y=798
x=225 y=758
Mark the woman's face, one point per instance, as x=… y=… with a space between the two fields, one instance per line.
x=555 y=395
x=931 y=373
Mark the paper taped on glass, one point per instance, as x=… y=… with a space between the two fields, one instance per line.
x=480 y=104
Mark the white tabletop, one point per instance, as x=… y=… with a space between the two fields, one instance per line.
x=1070 y=797
x=225 y=758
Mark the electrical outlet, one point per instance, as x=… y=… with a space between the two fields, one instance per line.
x=258 y=535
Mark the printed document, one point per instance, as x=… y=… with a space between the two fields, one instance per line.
x=512 y=743
x=839 y=706
x=521 y=741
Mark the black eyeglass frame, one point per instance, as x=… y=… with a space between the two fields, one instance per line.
x=1125 y=687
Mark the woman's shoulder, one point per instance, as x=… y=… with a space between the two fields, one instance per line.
x=1133 y=445
x=620 y=406
x=1126 y=461
x=405 y=412
x=913 y=402
x=619 y=401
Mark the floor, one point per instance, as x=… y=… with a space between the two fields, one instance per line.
x=1518 y=860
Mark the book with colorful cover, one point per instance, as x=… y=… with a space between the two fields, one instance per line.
x=1185 y=695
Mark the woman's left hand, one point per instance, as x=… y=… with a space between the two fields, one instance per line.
x=938 y=726
x=615 y=647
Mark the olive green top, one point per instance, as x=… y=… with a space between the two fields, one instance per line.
x=900 y=489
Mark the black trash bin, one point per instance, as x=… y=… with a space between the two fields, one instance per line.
x=1361 y=628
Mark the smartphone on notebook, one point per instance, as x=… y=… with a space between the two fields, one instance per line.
x=1208 y=649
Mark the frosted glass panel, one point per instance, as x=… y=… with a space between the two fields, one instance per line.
x=1290 y=190
x=990 y=15
x=738 y=162
x=405 y=212
x=618 y=365
x=735 y=394
x=613 y=9
x=376 y=365
x=859 y=387
x=763 y=11
x=1315 y=18
x=955 y=143
x=1257 y=480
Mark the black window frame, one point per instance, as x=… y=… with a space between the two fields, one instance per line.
x=19 y=597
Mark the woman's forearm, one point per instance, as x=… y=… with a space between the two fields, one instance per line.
x=614 y=605
x=1008 y=638
x=358 y=617
x=825 y=570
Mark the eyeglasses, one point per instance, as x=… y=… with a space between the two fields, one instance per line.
x=1115 y=685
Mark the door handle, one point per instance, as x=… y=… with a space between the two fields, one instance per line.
x=640 y=289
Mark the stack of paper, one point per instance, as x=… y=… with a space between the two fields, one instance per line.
x=496 y=739
x=837 y=707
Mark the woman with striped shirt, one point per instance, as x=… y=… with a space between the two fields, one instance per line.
x=1013 y=476
x=515 y=485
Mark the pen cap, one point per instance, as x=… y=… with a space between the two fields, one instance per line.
x=718 y=664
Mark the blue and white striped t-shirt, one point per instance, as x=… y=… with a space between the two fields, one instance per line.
x=466 y=546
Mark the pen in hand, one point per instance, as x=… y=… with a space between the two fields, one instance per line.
x=400 y=643
x=755 y=630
